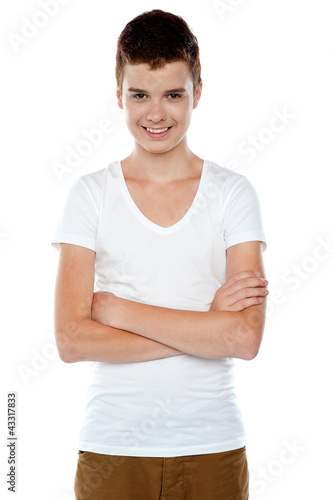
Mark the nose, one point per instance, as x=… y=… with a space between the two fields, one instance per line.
x=156 y=113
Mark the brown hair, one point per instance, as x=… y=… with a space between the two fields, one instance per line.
x=156 y=38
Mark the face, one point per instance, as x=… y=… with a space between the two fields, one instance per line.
x=158 y=104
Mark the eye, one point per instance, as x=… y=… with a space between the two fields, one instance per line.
x=174 y=97
x=140 y=97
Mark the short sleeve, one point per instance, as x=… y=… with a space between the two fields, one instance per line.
x=242 y=213
x=79 y=220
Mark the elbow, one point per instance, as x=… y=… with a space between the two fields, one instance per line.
x=66 y=352
x=252 y=345
x=67 y=347
x=251 y=332
x=250 y=354
x=246 y=346
x=66 y=356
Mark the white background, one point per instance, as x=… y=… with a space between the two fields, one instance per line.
x=258 y=57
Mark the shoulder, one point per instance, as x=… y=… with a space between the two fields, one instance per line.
x=95 y=182
x=225 y=178
x=96 y=178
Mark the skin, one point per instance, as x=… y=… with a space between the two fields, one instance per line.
x=169 y=159
x=162 y=176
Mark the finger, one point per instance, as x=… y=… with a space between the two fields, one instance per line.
x=244 y=283
x=250 y=283
x=246 y=293
x=245 y=303
x=241 y=275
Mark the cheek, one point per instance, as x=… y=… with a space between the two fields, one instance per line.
x=184 y=117
x=136 y=112
x=184 y=112
x=131 y=116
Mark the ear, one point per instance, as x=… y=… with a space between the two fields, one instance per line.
x=197 y=95
x=119 y=99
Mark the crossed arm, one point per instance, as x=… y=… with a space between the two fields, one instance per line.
x=103 y=327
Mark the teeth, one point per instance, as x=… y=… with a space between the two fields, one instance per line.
x=155 y=131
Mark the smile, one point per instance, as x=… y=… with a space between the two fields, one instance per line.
x=157 y=130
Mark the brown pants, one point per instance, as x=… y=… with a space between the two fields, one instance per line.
x=214 y=476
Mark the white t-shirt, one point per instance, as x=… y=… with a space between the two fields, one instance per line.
x=183 y=405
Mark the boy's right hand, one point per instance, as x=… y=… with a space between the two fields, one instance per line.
x=242 y=290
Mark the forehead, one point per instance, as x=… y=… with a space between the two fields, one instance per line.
x=171 y=75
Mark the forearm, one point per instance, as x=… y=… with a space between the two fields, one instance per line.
x=88 y=340
x=211 y=334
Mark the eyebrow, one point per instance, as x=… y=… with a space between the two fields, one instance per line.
x=172 y=91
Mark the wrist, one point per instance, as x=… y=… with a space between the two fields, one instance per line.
x=106 y=309
x=128 y=314
x=120 y=311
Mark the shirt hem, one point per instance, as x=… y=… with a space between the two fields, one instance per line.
x=162 y=452
x=80 y=241
x=246 y=237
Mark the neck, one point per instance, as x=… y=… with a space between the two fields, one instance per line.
x=164 y=167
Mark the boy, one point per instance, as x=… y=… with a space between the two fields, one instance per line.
x=172 y=245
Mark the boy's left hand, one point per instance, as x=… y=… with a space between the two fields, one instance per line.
x=242 y=290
